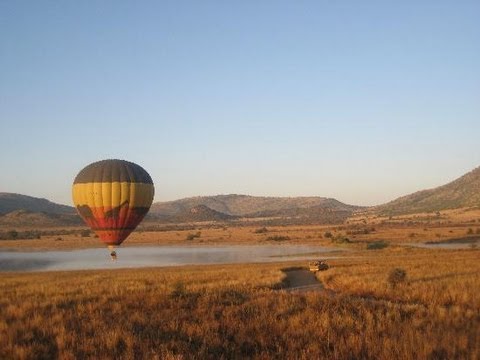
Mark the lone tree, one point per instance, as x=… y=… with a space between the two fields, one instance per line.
x=397 y=276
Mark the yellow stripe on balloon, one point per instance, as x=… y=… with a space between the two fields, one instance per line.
x=105 y=194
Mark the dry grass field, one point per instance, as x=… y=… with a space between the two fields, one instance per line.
x=313 y=235
x=236 y=311
x=435 y=278
x=359 y=230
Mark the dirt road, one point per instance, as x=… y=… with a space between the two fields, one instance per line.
x=302 y=280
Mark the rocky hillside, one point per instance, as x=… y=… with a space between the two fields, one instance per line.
x=11 y=202
x=250 y=206
x=26 y=211
x=37 y=220
x=463 y=192
x=199 y=213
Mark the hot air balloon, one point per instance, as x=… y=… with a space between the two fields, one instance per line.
x=113 y=197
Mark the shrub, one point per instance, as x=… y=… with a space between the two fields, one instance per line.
x=194 y=236
x=278 y=238
x=230 y=297
x=12 y=235
x=361 y=231
x=179 y=291
x=85 y=233
x=377 y=245
x=397 y=276
x=340 y=239
x=469 y=231
x=328 y=235
x=30 y=234
x=262 y=230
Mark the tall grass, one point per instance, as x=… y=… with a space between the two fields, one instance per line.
x=434 y=278
x=352 y=236
x=234 y=311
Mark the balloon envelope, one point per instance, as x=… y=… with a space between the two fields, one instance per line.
x=112 y=197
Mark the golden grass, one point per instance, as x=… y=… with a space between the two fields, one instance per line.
x=394 y=233
x=434 y=278
x=233 y=311
x=208 y=236
x=461 y=215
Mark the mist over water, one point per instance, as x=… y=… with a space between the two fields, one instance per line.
x=135 y=257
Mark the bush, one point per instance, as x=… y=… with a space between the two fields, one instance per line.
x=193 y=236
x=377 y=245
x=278 y=238
x=85 y=233
x=470 y=231
x=340 y=239
x=179 y=291
x=397 y=276
x=361 y=231
x=262 y=230
x=328 y=235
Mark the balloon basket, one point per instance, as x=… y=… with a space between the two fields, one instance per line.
x=113 y=253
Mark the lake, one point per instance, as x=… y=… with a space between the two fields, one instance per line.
x=135 y=257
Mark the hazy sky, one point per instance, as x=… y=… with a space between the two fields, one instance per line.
x=363 y=101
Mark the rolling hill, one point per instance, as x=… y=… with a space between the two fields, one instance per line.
x=460 y=193
x=30 y=219
x=27 y=211
x=12 y=202
x=199 y=213
x=250 y=206
x=16 y=209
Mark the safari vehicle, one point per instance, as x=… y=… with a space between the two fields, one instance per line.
x=317 y=265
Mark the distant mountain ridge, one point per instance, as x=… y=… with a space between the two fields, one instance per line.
x=460 y=193
x=22 y=210
x=200 y=213
x=30 y=219
x=250 y=206
x=12 y=202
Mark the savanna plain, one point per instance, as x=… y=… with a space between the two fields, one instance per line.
x=382 y=297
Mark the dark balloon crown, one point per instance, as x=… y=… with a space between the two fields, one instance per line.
x=113 y=170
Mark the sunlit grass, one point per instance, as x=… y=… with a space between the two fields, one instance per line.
x=354 y=236
x=442 y=277
x=234 y=311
